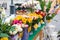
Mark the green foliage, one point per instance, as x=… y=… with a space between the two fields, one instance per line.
x=50 y=17
x=4 y=35
x=30 y=24
x=12 y=28
x=4 y=29
x=48 y=6
x=35 y=21
x=42 y=4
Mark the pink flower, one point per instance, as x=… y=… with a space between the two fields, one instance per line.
x=15 y=22
x=20 y=22
x=26 y=25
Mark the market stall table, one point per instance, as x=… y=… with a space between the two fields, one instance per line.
x=38 y=32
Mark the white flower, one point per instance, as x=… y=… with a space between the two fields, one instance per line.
x=20 y=30
x=15 y=32
x=23 y=25
x=12 y=32
x=3 y=14
x=18 y=27
x=7 y=20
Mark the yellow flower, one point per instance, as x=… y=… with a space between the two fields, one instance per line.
x=18 y=17
x=29 y=29
x=4 y=38
x=24 y=20
x=20 y=34
x=40 y=16
x=29 y=20
x=36 y=26
x=41 y=21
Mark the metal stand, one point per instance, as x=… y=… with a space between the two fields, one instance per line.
x=12 y=8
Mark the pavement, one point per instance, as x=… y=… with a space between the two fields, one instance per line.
x=56 y=21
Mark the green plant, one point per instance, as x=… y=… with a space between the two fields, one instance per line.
x=48 y=6
x=42 y=4
x=50 y=17
x=4 y=29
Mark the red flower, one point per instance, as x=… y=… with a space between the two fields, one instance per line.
x=39 y=12
x=42 y=13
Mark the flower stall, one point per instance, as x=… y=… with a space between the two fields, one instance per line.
x=17 y=27
x=27 y=23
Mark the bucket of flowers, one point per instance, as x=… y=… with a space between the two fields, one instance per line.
x=8 y=31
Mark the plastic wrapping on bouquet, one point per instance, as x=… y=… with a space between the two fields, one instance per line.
x=25 y=34
x=15 y=37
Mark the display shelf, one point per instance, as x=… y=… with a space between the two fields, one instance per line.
x=31 y=37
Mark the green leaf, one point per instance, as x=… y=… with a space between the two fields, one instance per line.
x=4 y=35
x=48 y=6
x=12 y=28
x=0 y=21
x=38 y=20
x=50 y=17
x=42 y=4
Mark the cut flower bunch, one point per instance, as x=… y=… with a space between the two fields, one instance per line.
x=15 y=25
x=30 y=19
